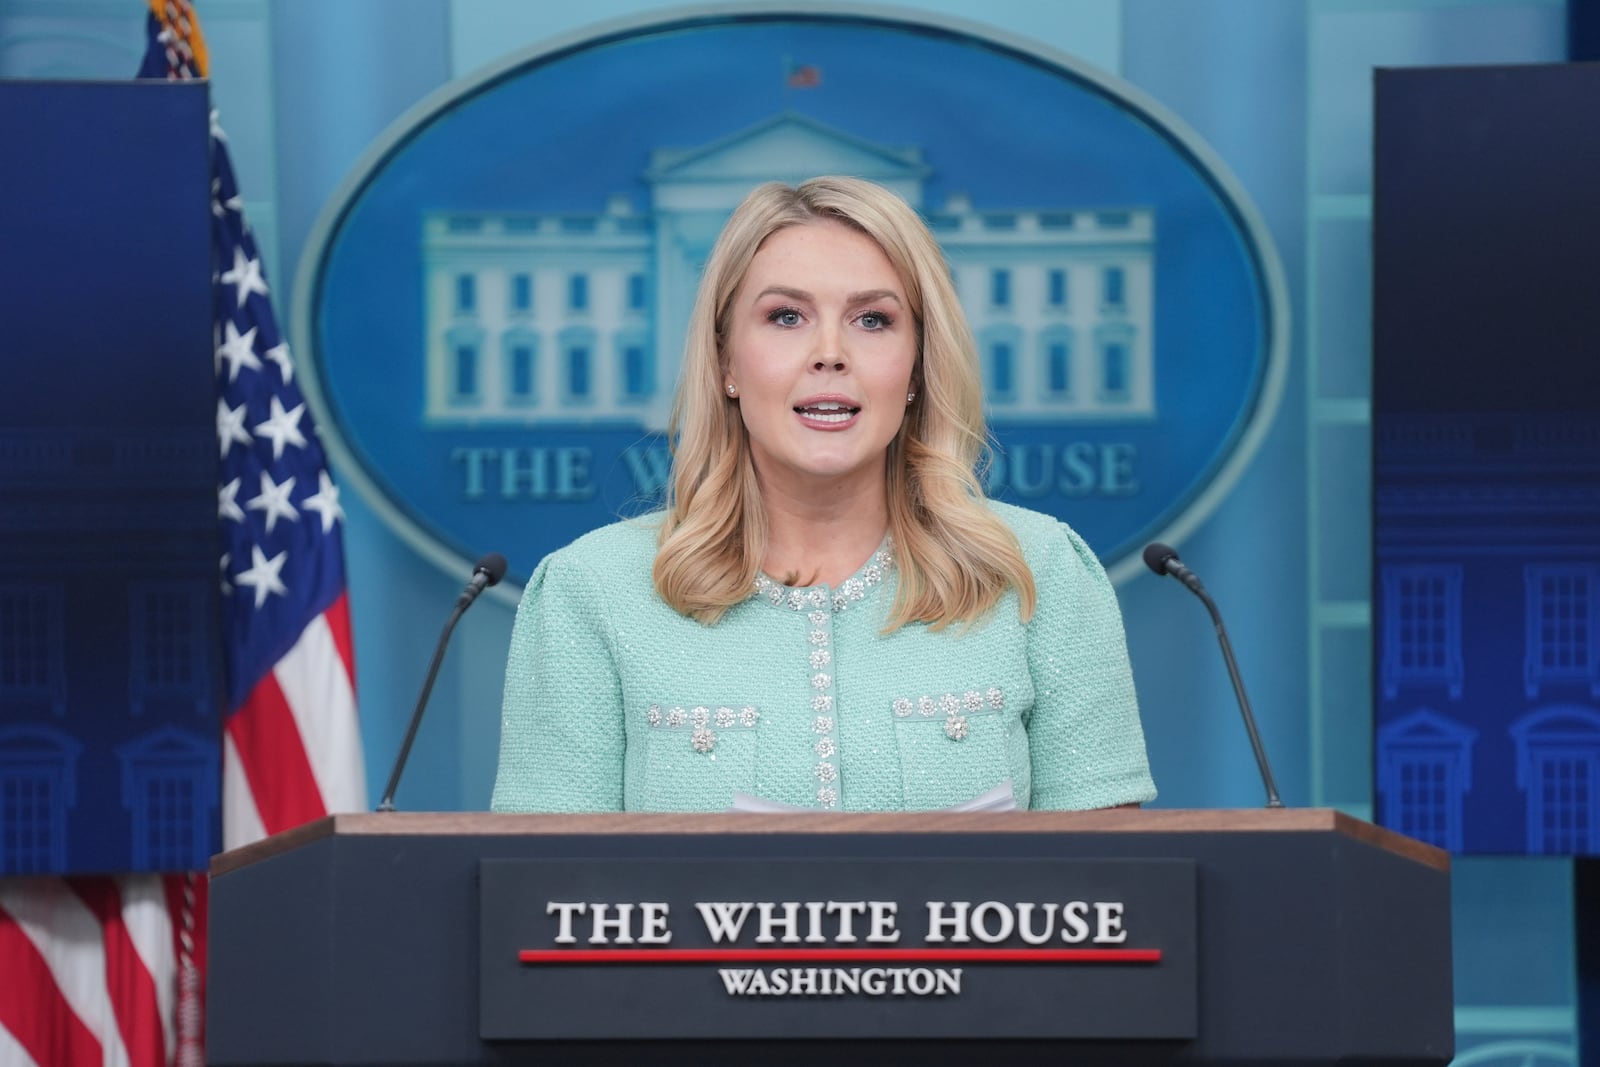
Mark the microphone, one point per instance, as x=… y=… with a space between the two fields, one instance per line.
x=488 y=571
x=1164 y=560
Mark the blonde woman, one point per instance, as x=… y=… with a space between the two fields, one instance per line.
x=828 y=613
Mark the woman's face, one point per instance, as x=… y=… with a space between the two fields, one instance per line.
x=821 y=349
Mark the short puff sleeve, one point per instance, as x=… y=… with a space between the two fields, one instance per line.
x=1085 y=742
x=562 y=739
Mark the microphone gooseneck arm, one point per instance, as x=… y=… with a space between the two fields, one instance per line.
x=1164 y=560
x=489 y=571
x=1238 y=691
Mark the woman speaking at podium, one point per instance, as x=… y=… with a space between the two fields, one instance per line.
x=828 y=613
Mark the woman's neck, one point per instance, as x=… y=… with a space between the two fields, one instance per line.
x=822 y=538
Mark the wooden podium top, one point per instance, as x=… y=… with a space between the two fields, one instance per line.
x=1113 y=821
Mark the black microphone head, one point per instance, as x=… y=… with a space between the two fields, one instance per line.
x=1157 y=555
x=492 y=567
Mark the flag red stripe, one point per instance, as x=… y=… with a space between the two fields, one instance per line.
x=33 y=1010
x=338 y=616
x=274 y=759
x=788 y=955
x=128 y=979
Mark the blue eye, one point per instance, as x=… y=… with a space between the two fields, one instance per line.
x=784 y=316
x=875 y=320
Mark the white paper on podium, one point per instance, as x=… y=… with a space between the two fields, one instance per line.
x=1000 y=798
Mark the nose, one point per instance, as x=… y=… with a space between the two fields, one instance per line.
x=830 y=354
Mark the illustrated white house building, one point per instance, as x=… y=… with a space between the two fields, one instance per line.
x=1487 y=612
x=110 y=725
x=580 y=317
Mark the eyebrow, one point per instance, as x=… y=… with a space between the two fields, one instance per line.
x=863 y=297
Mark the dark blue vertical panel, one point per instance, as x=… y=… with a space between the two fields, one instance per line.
x=1486 y=252
x=1586 y=891
x=1583 y=31
x=109 y=670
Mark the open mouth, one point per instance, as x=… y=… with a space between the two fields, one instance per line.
x=827 y=411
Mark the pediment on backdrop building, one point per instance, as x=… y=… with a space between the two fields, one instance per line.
x=787 y=147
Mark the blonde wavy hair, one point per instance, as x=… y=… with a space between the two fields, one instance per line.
x=955 y=557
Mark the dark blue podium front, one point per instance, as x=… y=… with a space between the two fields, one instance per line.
x=1290 y=937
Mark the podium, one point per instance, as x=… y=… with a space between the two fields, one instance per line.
x=1287 y=937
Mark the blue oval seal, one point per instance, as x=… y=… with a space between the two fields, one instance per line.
x=491 y=310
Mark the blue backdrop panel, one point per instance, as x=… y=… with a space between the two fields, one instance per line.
x=109 y=665
x=1486 y=251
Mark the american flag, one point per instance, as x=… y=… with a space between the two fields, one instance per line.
x=102 y=970
x=291 y=742
x=109 y=970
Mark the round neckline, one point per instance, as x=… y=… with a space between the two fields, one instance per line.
x=821 y=597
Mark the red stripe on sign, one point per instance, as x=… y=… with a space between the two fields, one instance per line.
x=128 y=980
x=32 y=1008
x=274 y=759
x=841 y=955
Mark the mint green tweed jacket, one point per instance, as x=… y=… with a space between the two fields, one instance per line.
x=614 y=701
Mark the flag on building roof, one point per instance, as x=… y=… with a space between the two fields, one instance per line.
x=110 y=969
x=801 y=75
